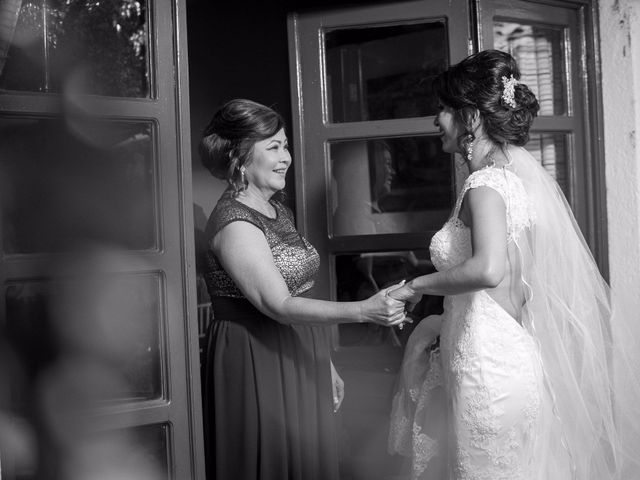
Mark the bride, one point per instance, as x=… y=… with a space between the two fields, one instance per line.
x=517 y=379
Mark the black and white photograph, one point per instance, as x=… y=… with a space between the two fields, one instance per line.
x=319 y=240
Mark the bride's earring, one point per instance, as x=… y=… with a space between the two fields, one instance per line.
x=469 y=146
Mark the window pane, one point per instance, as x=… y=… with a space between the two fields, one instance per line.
x=390 y=185
x=151 y=451
x=103 y=43
x=64 y=182
x=358 y=276
x=551 y=150
x=540 y=52
x=134 y=453
x=367 y=78
x=97 y=336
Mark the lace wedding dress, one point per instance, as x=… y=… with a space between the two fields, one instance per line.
x=549 y=392
x=486 y=368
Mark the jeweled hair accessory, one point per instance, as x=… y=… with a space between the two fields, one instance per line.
x=508 y=94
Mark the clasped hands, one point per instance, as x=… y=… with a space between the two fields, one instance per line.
x=403 y=299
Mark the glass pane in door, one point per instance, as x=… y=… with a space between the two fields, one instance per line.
x=97 y=335
x=389 y=185
x=103 y=45
x=64 y=182
x=540 y=53
x=149 y=452
x=381 y=72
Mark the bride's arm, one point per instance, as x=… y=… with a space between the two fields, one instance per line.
x=485 y=211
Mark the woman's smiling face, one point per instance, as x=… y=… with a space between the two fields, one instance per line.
x=450 y=129
x=270 y=160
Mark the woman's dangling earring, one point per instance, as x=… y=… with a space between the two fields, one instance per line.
x=469 y=146
x=243 y=177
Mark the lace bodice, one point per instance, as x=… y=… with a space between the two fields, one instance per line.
x=451 y=245
x=295 y=258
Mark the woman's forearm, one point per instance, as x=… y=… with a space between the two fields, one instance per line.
x=469 y=276
x=380 y=308
x=315 y=312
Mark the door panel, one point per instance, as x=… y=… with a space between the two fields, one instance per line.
x=315 y=92
x=98 y=305
x=372 y=183
x=40 y=153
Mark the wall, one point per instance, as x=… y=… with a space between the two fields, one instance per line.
x=620 y=47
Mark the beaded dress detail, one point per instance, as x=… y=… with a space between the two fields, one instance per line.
x=295 y=258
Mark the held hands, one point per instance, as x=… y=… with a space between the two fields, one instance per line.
x=385 y=310
x=405 y=293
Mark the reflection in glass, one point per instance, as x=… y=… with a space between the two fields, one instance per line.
x=358 y=276
x=101 y=44
x=70 y=181
x=95 y=337
x=390 y=185
x=539 y=51
x=384 y=72
x=551 y=150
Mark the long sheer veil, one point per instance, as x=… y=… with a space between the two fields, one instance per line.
x=589 y=355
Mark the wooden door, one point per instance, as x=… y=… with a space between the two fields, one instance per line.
x=372 y=182
x=100 y=372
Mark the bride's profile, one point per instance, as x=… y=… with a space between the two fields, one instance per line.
x=521 y=376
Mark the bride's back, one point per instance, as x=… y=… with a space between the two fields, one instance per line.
x=510 y=293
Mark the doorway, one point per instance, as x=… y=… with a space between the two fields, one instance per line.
x=363 y=249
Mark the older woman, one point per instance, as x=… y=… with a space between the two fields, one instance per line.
x=268 y=385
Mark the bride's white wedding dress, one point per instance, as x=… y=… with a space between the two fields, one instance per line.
x=486 y=396
x=487 y=366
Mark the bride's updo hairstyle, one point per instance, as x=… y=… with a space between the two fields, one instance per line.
x=489 y=82
x=227 y=142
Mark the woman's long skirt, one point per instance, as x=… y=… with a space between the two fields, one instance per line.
x=267 y=398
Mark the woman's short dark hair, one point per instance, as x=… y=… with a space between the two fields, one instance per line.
x=476 y=84
x=227 y=142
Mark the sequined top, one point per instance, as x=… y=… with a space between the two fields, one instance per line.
x=295 y=258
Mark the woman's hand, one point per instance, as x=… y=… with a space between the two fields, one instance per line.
x=383 y=309
x=337 y=387
x=405 y=293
